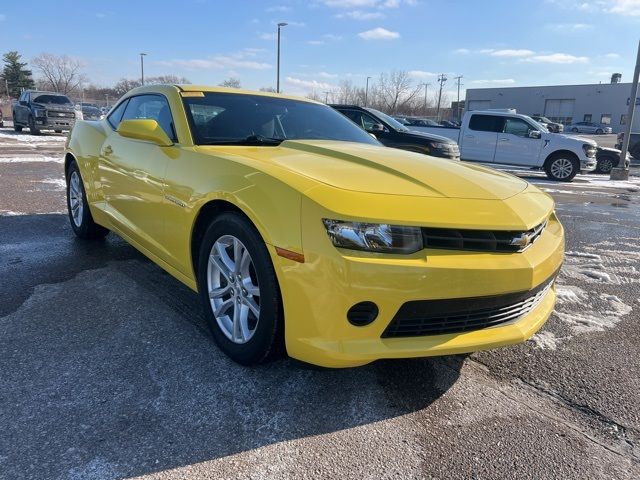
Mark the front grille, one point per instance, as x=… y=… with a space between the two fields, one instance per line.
x=436 y=317
x=481 y=240
x=59 y=114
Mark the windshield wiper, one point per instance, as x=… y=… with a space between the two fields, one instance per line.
x=249 y=140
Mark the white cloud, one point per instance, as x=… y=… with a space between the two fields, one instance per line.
x=316 y=42
x=379 y=34
x=268 y=36
x=361 y=15
x=611 y=55
x=557 y=58
x=350 y=3
x=298 y=82
x=327 y=37
x=421 y=74
x=569 y=27
x=513 y=53
x=625 y=7
x=279 y=8
x=239 y=60
x=462 y=51
x=502 y=81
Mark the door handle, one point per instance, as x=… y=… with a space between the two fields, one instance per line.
x=504 y=139
x=107 y=150
x=469 y=136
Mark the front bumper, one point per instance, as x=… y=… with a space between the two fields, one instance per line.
x=588 y=164
x=54 y=123
x=318 y=293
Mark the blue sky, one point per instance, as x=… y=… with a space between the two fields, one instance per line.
x=489 y=42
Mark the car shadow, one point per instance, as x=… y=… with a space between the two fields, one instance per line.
x=108 y=367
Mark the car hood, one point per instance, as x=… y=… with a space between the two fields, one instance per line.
x=376 y=169
x=428 y=136
x=561 y=138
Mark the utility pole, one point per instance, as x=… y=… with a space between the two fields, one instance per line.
x=106 y=96
x=6 y=84
x=366 y=92
x=442 y=78
x=326 y=97
x=280 y=25
x=458 y=102
x=621 y=172
x=142 y=55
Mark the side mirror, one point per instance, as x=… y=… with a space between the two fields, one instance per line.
x=535 y=134
x=144 y=129
x=23 y=103
x=376 y=127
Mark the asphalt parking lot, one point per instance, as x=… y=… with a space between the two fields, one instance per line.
x=108 y=370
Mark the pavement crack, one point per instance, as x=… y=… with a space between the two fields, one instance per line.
x=625 y=441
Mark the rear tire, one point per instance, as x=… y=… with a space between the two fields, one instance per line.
x=599 y=131
x=234 y=287
x=16 y=127
x=78 y=207
x=574 y=130
x=562 y=167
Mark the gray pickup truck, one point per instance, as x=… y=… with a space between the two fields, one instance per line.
x=43 y=111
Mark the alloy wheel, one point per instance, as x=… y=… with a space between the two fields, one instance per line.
x=234 y=293
x=561 y=168
x=606 y=164
x=76 y=198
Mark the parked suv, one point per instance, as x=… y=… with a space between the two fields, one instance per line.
x=553 y=127
x=392 y=133
x=43 y=111
x=634 y=144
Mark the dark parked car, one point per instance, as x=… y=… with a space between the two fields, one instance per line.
x=608 y=158
x=91 y=112
x=43 y=111
x=1 y=119
x=634 y=144
x=392 y=133
x=553 y=127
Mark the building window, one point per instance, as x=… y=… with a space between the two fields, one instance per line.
x=623 y=119
x=587 y=117
x=605 y=119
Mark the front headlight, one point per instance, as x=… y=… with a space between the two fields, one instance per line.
x=589 y=150
x=440 y=146
x=374 y=237
x=40 y=112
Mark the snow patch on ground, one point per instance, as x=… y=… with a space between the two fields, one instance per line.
x=570 y=294
x=32 y=159
x=597 y=321
x=58 y=183
x=33 y=138
x=9 y=213
x=546 y=340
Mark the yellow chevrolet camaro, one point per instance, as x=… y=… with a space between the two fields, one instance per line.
x=298 y=229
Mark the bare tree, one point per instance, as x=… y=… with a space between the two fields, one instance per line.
x=60 y=74
x=231 y=82
x=395 y=90
x=268 y=89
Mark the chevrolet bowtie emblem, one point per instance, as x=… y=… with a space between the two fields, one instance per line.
x=521 y=240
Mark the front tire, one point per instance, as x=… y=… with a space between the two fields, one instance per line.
x=599 y=131
x=16 y=127
x=574 y=130
x=78 y=208
x=33 y=130
x=562 y=167
x=605 y=164
x=239 y=290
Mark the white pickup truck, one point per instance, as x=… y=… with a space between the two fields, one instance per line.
x=507 y=138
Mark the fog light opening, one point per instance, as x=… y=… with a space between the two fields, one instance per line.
x=362 y=314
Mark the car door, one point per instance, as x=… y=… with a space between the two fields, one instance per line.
x=480 y=138
x=20 y=109
x=515 y=147
x=131 y=172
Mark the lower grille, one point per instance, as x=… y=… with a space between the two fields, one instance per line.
x=437 y=317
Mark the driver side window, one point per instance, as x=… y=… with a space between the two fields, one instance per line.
x=517 y=127
x=152 y=107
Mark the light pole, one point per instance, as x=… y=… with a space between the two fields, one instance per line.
x=142 y=55
x=621 y=172
x=280 y=25
x=366 y=92
x=326 y=97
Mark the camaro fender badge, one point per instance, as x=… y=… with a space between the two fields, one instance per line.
x=176 y=201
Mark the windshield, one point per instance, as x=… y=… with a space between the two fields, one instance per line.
x=51 y=99
x=544 y=120
x=392 y=122
x=219 y=118
x=538 y=126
